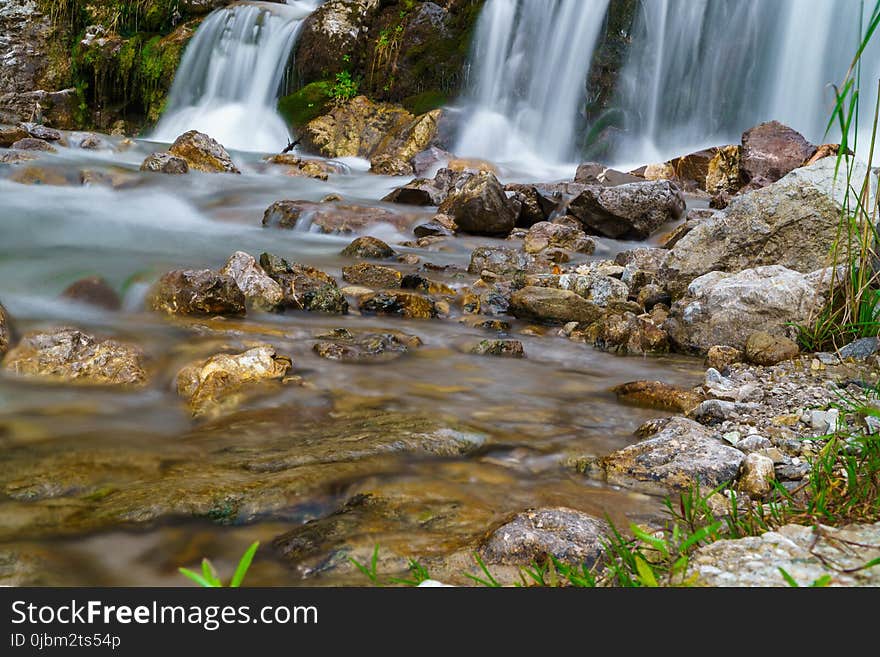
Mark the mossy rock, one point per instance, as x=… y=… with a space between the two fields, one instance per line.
x=425 y=101
x=306 y=104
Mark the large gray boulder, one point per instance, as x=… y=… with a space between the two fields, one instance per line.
x=792 y=223
x=631 y=211
x=722 y=308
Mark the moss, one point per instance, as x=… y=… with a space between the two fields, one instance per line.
x=306 y=104
x=425 y=101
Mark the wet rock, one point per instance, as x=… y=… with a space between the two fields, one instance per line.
x=534 y=207
x=423 y=161
x=304 y=287
x=479 y=205
x=727 y=308
x=33 y=144
x=93 y=142
x=368 y=247
x=803 y=552
x=217 y=383
x=404 y=304
x=771 y=150
x=487 y=299
x=365 y=346
x=791 y=223
x=628 y=334
x=545 y=235
x=197 y=292
x=593 y=173
x=9 y=134
x=765 y=349
x=631 y=211
x=426 y=285
x=659 y=395
x=327 y=217
x=202 y=153
x=420 y=191
x=441 y=225
x=371 y=275
x=16 y=157
x=37 y=175
x=5 y=331
x=67 y=354
x=721 y=357
x=593 y=286
x=260 y=290
x=651 y=295
x=40 y=131
x=677 y=457
x=508 y=348
x=570 y=536
x=94 y=291
x=757 y=476
x=498 y=260
x=296 y=166
x=552 y=305
x=165 y=163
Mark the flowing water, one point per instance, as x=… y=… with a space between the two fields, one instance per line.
x=228 y=81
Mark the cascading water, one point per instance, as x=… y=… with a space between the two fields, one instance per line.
x=227 y=84
x=701 y=71
x=531 y=60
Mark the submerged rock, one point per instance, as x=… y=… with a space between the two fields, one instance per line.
x=547 y=304
x=368 y=247
x=165 y=163
x=364 y=346
x=67 y=354
x=631 y=211
x=570 y=536
x=94 y=291
x=260 y=290
x=202 y=153
x=197 y=292
x=304 y=287
x=656 y=394
x=680 y=455
x=9 y=134
x=218 y=383
x=329 y=217
x=405 y=304
x=479 y=205
x=508 y=348
x=33 y=144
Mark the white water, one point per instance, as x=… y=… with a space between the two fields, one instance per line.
x=530 y=59
x=227 y=84
x=701 y=71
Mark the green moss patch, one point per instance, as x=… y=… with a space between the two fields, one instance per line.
x=425 y=101
x=306 y=104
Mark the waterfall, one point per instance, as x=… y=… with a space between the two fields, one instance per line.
x=530 y=59
x=701 y=71
x=228 y=81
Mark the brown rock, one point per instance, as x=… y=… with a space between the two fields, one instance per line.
x=545 y=235
x=724 y=173
x=5 y=331
x=655 y=394
x=405 y=304
x=371 y=275
x=202 y=153
x=259 y=288
x=547 y=304
x=420 y=191
x=771 y=150
x=364 y=346
x=94 y=291
x=631 y=211
x=304 y=287
x=32 y=144
x=329 y=217
x=507 y=348
x=766 y=349
x=479 y=205
x=165 y=163
x=368 y=247
x=825 y=150
x=9 y=134
x=723 y=356
x=757 y=476
x=197 y=292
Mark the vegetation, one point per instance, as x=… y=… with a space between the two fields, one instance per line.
x=209 y=578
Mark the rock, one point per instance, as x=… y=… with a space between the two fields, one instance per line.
x=498 y=260
x=94 y=291
x=471 y=165
x=860 y=349
x=534 y=207
x=593 y=173
x=509 y=348
x=726 y=308
x=659 y=395
x=9 y=134
x=570 y=536
x=368 y=247
x=592 y=286
x=397 y=151
x=197 y=292
x=771 y=150
x=67 y=354
x=724 y=173
x=825 y=150
x=552 y=305
x=16 y=157
x=32 y=144
x=721 y=357
x=765 y=349
x=260 y=290
x=802 y=552
x=426 y=285
x=216 y=383
x=628 y=334
x=424 y=161
x=37 y=175
x=165 y=163
x=304 y=287
x=329 y=217
x=791 y=223
x=753 y=443
x=5 y=331
x=544 y=235
x=420 y=191
x=364 y=347
x=93 y=142
x=651 y=295
x=202 y=153
x=680 y=455
x=441 y=225
x=757 y=476
x=40 y=131
x=370 y=275
x=405 y=304
x=479 y=205
x=631 y=211
x=488 y=299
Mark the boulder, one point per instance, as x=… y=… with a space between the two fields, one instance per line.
x=629 y=334
x=571 y=536
x=94 y=291
x=593 y=286
x=593 y=173
x=792 y=223
x=771 y=150
x=765 y=349
x=479 y=205
x=498 y=260
x=441 y=225
x=202 y=153
x=217 y=383
x=93 y=142
x=304 y=287
x=67 y=354
x=424 y=161
x=260 y=290
x=724 y=172
x=5 y=331
x=720 y=357
x=368 y=247
x=9 y=134
x=372 y=275
x=420 y=191
x=330 y=217
x=547 y=304
x=659 y=395
x=34 y=144
x=726 y=309
x=393 y=302
x=364 y=346
x=165 y=163
x=534 y=207
x=630 y=211
x=197 y=292
x=677 y=457
x=395 y=154
x=40 y=131
x=545 y=235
